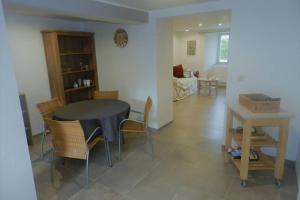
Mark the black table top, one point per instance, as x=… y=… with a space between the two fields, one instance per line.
x=91 y=110
x=106 y=114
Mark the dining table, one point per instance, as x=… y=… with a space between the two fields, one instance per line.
x=104 y=113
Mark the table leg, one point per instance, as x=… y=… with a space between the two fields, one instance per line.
x=217 y=84
x=229 y=124
x=199 y=87
x=228 y=137
x=107 y=149
x=281 y=150
x=245 y=150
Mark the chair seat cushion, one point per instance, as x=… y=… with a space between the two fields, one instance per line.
x=132 y=126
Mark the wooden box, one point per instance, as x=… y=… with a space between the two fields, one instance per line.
x=259 y=103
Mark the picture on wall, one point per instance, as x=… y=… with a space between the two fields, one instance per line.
x=191 y=47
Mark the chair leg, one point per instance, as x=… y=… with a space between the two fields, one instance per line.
x=123 y=139
x=52 y=166
x=106 y=143
x=105 y=146
x=119 y=156
x=87 y=169
x=151 y=143
x=42 y=144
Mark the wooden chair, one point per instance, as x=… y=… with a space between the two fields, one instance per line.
x=134 y=126
x=47 y=108
x=114 y=94
x=68 y=141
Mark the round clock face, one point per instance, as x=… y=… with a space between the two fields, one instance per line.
x=121 y=38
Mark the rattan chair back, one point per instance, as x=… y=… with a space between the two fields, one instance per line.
x=47 y=108
x=68 y=139
x=114 y=94
x=148 y=106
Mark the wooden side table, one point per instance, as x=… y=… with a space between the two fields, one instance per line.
x=249 y=120
x=209 y=84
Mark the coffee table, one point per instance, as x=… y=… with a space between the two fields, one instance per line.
x=209 y=84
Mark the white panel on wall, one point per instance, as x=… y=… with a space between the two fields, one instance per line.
x=191 y=62
x=211 y=50
x=164 y=55
x=265 y=58
x=131 y=70
x=16 y=178
x=205 y=59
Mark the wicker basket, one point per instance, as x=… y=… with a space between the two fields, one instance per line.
x=260 y=103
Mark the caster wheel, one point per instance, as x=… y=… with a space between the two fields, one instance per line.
x=278 y=183
x=244 y=183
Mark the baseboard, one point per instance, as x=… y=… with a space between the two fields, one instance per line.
x=156 y=130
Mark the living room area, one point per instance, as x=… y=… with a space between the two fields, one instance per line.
x=200 y=53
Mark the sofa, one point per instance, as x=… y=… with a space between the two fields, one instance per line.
x=184 y=82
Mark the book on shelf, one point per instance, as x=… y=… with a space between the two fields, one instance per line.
x=236 y=154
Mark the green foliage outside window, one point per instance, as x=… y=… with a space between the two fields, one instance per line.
x=224 y=48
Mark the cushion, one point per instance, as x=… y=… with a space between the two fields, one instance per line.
x=178 y=71
x=196 y=74
x=187 y=74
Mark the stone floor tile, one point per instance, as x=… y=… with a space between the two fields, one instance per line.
x=188 y=164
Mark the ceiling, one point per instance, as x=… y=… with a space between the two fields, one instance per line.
x=210 y=22
x=152 y=4
x=77 y=9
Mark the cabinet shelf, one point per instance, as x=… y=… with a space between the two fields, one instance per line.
x=80 y=88
x=77 y=71
x=75 y=53
x=264 y=163
x=268 y=141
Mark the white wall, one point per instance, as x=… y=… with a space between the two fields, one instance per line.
x=131 y=70
x=255 y=65
x=205 y=59
x=176 y=49
x=268 y=61
x=211 y=50
x=211 y=66
x=164 y=59
x=195 y=62
x=28 y=55
x=16 y=180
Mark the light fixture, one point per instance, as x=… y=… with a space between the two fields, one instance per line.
x=220 y=24
x=200 y=24
x=187 y=30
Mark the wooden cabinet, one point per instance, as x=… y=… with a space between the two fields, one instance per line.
x=72 y=67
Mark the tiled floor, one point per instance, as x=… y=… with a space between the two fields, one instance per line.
x=188 y=165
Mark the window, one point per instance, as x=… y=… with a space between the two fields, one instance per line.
x=223 y=49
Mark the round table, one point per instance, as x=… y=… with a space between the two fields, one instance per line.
x=94 y=113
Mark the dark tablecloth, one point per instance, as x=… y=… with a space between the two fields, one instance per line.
x=93 y=113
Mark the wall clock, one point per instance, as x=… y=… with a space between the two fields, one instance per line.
x=121 y=38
